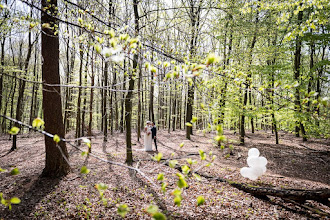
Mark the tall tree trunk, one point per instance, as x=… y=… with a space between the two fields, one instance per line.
x=242 y=123
x=22 y=83
x=91 y=99
x=297 y=63
x=139 y=104
x=83 y=125
x=78 y=117
x=34 y=88
x=129 y=96
x=194 y=18
x=2 y=63
x=56 y=165
x=122 y=116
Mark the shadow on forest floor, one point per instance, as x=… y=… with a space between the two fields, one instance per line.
x=35 y=189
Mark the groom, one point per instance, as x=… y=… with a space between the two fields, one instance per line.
x=154 y=132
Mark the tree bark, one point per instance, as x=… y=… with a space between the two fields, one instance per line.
x=297 y=63
x=129 y=96
x=56 y=165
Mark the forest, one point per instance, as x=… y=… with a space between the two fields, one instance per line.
x=238 y=91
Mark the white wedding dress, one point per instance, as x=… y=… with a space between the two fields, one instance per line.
x=148 y=139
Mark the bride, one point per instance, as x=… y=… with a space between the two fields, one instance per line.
x=147 y=137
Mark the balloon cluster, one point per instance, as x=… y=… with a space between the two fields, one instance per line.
x=257 y=165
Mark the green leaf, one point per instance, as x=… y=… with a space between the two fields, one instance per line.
x=14 y=130
x=159 y=216
x=177 y=192
x=172 y=163
x=177 y=200
x=84 y=170
x=181 y=145
x=202 y=154
x=212 y=58
x=158 y=157
x=197 y=176
x=101 y=186
x=164 y=185
x=15 y=200
x=182 y=183
x=185 y=169
x=122 y=210
x=188 y=124
x=2 y=170
x=194 y=119
x=87 y=142
x=160 y=176
x=56 y=138
x=152 y=209
x=14 y=171
x=200 y=200
x=38 y=123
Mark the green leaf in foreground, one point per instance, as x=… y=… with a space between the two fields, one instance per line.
x=172 y=163
x=188 y=124
x=14 y=130
x=160 y=176
x=152 y=209
x=56 y=138
x=14 y=171
x=182 y=183
x=2 y=170
x=200 y=200
x=122 y=210
x=159 y=216
x=84 y=170
x=15 y=200
x=38 y=123
x=158 y=157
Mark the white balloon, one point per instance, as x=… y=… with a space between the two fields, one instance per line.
x=245 y=172
x=252 y=175
x=253 y=152
x=253 y=161
x=263 y=169
x=258 y=171
x=263 y=161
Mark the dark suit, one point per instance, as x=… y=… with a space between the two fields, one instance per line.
x=154 y=133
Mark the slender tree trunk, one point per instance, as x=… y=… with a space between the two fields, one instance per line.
x=139 y=104
x=122 y=116
x=83 y=126
x=297 y=61
x=34 y=88
x=91 y=100
x=22 y=83
x=242 y=123
x=78 y=117
x=56 y=165
x=129 y=96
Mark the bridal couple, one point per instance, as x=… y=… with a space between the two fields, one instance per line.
x=149 y=135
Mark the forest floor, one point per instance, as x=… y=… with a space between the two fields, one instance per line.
x=291 y=164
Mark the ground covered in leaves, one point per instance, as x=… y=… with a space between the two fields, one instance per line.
x=291 y=164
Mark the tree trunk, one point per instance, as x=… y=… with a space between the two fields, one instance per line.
x=83 y=126
x=56 y=165
x=91 y=99
x=105 y=96
x=22 y=83
x=78 y=117
x=129 y=96
x=297 y=62
x=122 y=116
x=242 y=123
